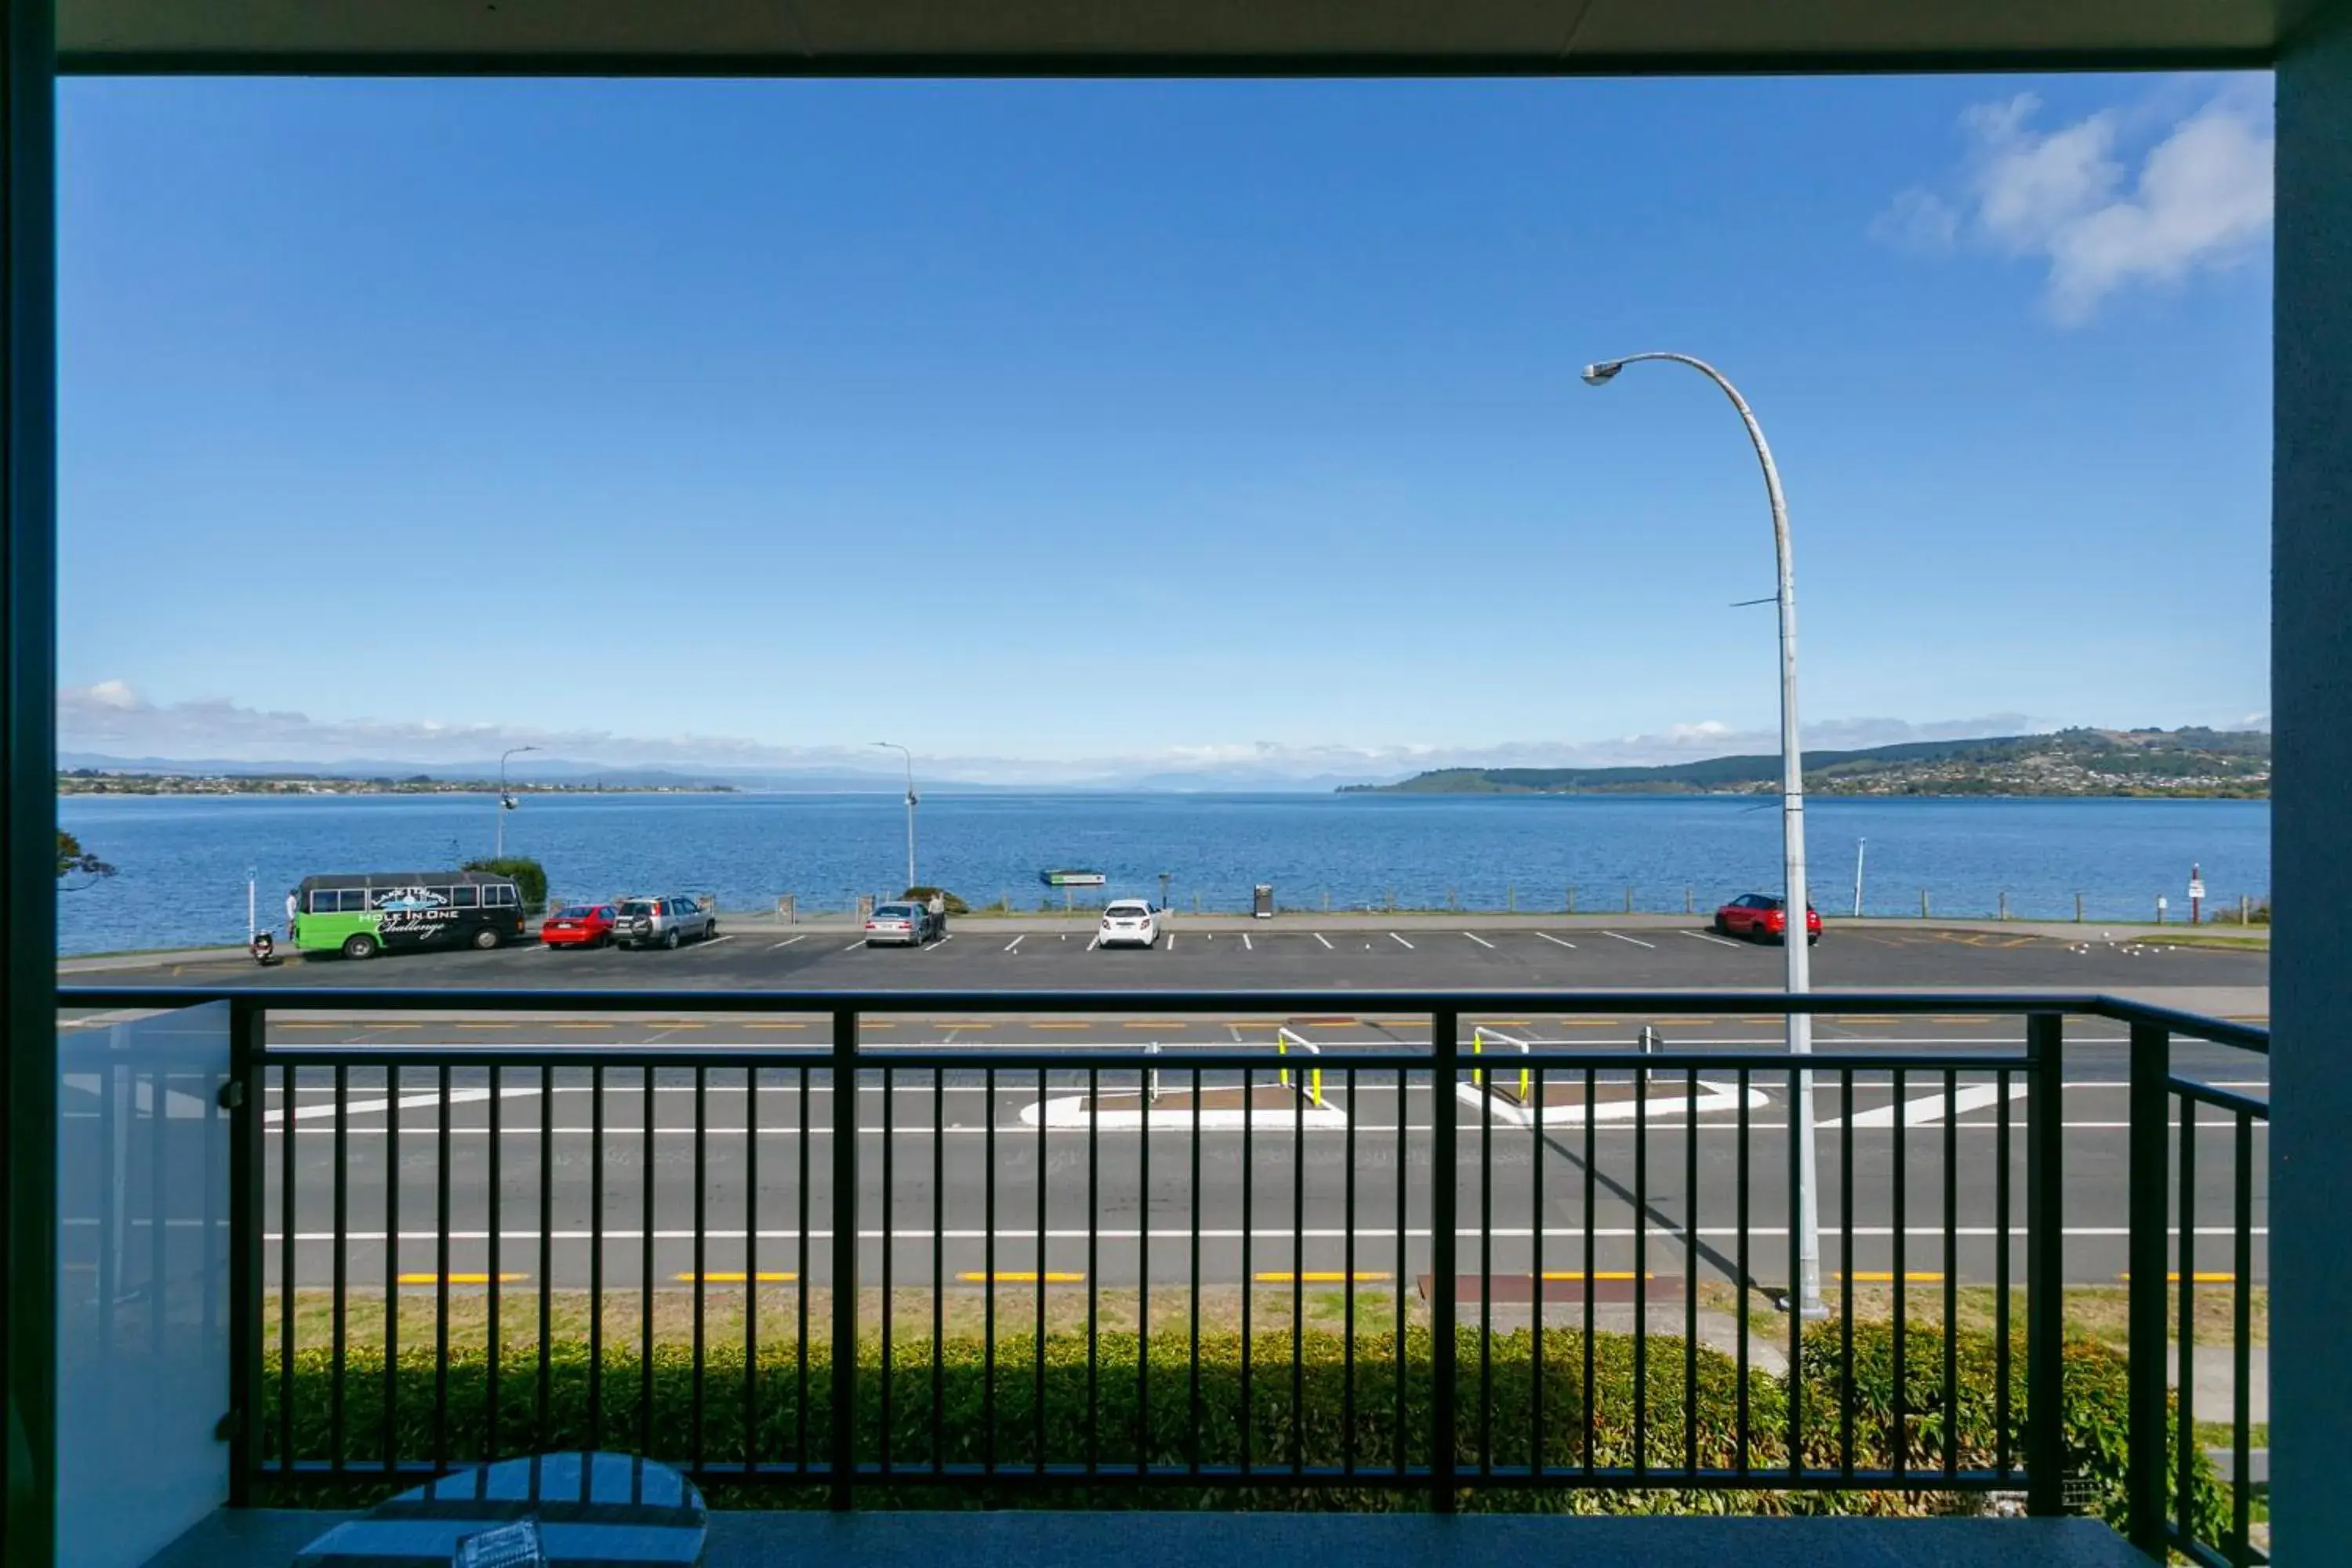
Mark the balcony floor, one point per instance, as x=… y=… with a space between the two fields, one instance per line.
x=268 y=1538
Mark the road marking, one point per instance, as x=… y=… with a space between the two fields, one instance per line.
x=736 y=1278
x=1557 y=1274
x=1931 y=1108
x=1003 y=1277
x=1703 y=936
x=1324 y=940
x=789 y=941
x=1481 y=940
x=1550 y=938
x=1274 y=1232
x=457 y=1279
x=715 y=941
x=1400 y=941
x=1883 y=1276
x=1016 y=941
x=1318 y=1276
x=2198 y=1278
x=1094 y=942
x=1247 y=944
x=1636 y=941
x=854 y=946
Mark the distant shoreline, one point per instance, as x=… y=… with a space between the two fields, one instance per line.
x=88 y=782
x=1825 y=789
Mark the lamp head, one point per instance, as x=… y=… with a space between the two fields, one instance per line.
x=1601 y=374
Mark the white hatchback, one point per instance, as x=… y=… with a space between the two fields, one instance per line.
x=1130 y=921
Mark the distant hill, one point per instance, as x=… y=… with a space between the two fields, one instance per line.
x=2188 y=762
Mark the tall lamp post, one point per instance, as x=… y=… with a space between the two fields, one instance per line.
x=1805 y=1296
x=893 y=746
x=506 y=801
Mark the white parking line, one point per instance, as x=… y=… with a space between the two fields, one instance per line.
x=1016 y=941
x=1636 y=941
x=1246 y=944
x=789 y=940
x=854 y=946
x=1548 y=936
x=1400 y=941
x=1481 y=940
x=715 y=941
x=1093 y=942
x=1324 y=940
x=1705 y=937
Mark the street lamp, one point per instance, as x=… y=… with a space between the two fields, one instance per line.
x=893 y=746
x=506 y=801
x=1805 y=1295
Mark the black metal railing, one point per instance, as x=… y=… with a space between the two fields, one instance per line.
x=1095 y=1354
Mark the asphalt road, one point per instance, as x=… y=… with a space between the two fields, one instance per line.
x=1284 y=1196
x=964 y=1145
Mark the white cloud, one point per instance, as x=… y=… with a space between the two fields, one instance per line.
x=2120 y=197
x=110 y=720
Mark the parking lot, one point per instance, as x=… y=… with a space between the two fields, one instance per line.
x=979 y=954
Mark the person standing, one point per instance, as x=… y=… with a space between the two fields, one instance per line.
x=939 y=908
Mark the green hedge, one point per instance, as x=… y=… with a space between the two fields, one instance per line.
x=1151 y=1418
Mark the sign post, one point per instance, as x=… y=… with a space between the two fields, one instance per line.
x=2195 y=892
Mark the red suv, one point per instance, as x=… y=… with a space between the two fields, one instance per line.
x=1764 y=917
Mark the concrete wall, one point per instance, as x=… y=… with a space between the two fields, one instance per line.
x=2311 y=679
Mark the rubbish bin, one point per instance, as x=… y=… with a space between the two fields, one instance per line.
x=1262 y=900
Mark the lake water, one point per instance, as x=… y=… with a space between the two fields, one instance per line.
x=184 y=860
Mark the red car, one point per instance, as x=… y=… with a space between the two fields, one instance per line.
x=579 y=925
x=1762 y=917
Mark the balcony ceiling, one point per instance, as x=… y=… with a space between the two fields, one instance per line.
x=1077 y=37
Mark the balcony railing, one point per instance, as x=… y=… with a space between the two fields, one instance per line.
x=1468 y=1260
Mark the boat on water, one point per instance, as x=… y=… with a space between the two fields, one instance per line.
x=1069 y=877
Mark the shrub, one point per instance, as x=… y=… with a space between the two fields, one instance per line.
x=1133 y=1411
x=530 y=877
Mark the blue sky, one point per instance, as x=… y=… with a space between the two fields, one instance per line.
x=1060 y=429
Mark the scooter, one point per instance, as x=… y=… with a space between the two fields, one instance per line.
x=264 y=949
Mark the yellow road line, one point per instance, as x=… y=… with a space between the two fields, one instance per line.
x=301 y=1024
x=1002 y=1277
x=580 y=1024
x=457 y=1278
x=1156 y=1024
x=1319 y=1277
x=1053 y=1023
x=775 y=1026
x=1590 y=1022
x=1861 y=1018
x=2199 y=1278
x=1881 y=1277
x=725 y=1276
x=1601 y=1274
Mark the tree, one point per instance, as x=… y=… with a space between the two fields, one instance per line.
x=74 y=860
